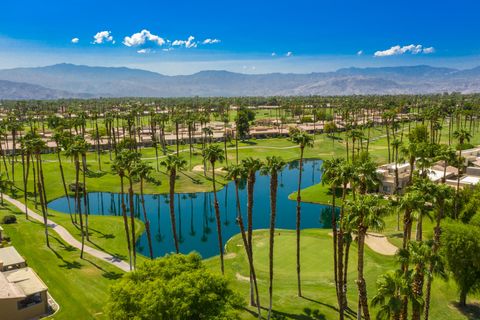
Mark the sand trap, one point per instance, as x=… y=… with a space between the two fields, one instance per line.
x=199 y=168
x=379 y=243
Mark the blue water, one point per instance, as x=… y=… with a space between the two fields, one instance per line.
x=196 y=217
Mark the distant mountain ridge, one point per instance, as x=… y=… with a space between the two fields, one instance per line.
x=78 y=81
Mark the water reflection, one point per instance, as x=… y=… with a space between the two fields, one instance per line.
x=195 y=212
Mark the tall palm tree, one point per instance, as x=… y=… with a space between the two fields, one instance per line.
x=251 y=166
x=441 y=195
x=236 y=173
x=173 y=164
x=38 y=146
x=118 y=166
x=330 y=175
x=461 y=135
x=213 y=154
x=142 y=171
x=272 y=166
x=366 y=212
x=61 y=140
x=303 y=140
x=75 y=151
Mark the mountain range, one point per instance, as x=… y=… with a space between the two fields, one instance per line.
x=77 y=81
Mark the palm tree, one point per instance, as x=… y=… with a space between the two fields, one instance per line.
x=173 y=163
x=38 y=146
x=236 y=173
x=303 y=140
x=250 y=166
x=330 y=175
x=142 y=170
x=118 y=166
x=61 y=139
x=441 y=195
x=272 y=166
x=366 y=212
x=392 y=288
x=214 y=153
x=461 y=135
x=75 y=150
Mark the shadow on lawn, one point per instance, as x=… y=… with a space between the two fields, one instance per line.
x=111 y=275
x=307 y=314
x=471 y=311
x=66 y=264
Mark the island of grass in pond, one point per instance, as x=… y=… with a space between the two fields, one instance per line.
x=195 y=216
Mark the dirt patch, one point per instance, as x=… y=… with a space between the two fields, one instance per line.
x=230 y=255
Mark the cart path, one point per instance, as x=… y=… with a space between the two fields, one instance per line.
x=69 y=239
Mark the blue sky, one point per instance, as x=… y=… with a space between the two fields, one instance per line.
x=243 y=36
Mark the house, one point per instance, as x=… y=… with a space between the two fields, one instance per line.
x=387 y=177
x=23 y=295
x=10 y=259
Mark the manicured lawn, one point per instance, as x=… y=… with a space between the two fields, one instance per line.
x=319 y=301
x=79 y=286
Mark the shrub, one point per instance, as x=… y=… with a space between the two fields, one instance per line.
x=9 y=219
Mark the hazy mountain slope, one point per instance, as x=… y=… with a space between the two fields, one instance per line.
x=24 y=91
x=120 y=82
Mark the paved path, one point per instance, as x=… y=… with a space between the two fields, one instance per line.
x=68 y=238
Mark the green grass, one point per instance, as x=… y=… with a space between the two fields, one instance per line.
x=79 y=286
x=317 y=276
x=107 y=233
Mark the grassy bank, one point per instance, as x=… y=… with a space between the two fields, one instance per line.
x=319 y=301
x=79 y=286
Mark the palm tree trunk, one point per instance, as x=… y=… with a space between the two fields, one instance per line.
x=62 y=174
x=250 y=189
x=299 y=200
x=25 y=184
x=217 y=216
x=247 y=249
x=273 y=214
x=85 y=197
x=125 y=219
x=42 y=199
x=335 y=235
x=173 y=174
x=362 y=287
x=147 y=222
x=132 y=220
x=79 y=205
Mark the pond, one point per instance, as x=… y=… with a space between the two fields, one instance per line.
x=196 y=225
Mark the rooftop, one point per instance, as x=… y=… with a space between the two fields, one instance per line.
x=20 y=284
x=9 y=256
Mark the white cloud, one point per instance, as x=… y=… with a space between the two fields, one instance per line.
x=398 y=50
x=429 y=50
x=274 y=54
x=189 y=43
x=289 y=54
x=210 y=41
x=103 y=36
x=360 y=52
x=144 y=51
x=140 y=38
x=75 y=40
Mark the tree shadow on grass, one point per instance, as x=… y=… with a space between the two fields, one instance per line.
x=66 y=264
x=471 y=311
x=111 y=275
